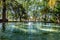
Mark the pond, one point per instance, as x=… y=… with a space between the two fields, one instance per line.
x=30 y=31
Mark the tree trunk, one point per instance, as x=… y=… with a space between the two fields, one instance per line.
x=4 y=15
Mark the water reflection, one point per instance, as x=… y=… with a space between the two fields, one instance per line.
x=31 y=31
x=30 y=26
x=10 y=27
x=0 y=26
x=33 y=27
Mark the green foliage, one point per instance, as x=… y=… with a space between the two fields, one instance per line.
x=16 y=10
x=23 y=9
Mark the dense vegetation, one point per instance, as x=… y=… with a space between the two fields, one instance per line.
x=33 y=10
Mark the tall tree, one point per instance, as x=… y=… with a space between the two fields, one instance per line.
x=4 y=15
